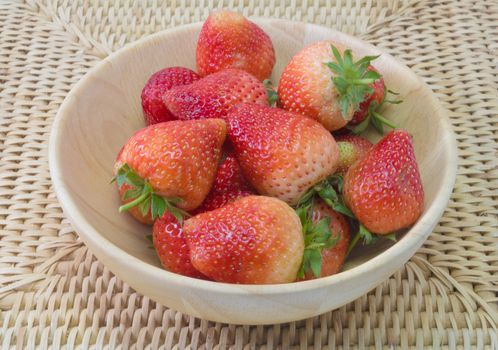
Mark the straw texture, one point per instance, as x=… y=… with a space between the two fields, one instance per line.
x=55 y=294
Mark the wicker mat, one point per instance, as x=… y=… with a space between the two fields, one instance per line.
x=55 y=294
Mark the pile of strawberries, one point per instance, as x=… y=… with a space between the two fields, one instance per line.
x=241 y=191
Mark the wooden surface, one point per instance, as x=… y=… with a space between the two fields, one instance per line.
x=104 y=109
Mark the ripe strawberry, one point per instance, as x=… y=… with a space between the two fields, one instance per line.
x=332 y=257
x=282 y=154
x=351 y=148
x=214 y=95
x=154 y=109
x=170 y=163
x=229 y=175
x=323 y=82
x=254 y=240
x=384 y=190
x=171 y=246
x=215 y=200
x=228 y=40
x=229 y=185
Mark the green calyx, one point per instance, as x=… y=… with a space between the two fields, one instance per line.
x=142 y=195
x=367 y=237
x=374 y=118
x=352 y=79
x=317 y=237
x=329 y=190
x=272 y=94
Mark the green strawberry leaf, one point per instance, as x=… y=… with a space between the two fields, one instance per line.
x=144 y=206
x=307 y=197
x=367 y=236
x=316 y=262
x=378 y=119
x=363 y=233
x=391 y=237
x=272 y=94
x=178 y=213
x=352 y=79
x=132 y=193
x=373 y=117
x=329 y=195
x=142 y=196
x=358 y=129
x=336 y=180
x=158 y=206
x=377 y=124
x=317 y=236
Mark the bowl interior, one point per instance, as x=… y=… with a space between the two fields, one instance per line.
x=104 y=110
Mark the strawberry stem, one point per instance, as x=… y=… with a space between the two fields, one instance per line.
x=134 y=202
x=363 y=81
x=353 y=243
x=383 y=120
x=368 y=238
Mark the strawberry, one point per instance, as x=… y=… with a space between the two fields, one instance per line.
x=384 y=189
x=351 y=148
x=154 y=109
x=323 y=82
x=215 y=200
x=254 y=240
x=229 y=175
x=171 y=246
x=228 y=40
x=214 y=95
x=281 y=153
x=229 y=185
x=171 y=166
x=332 y=254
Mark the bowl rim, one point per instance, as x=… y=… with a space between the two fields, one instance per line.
x=90 y=235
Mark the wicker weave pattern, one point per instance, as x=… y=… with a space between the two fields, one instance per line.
x=53 y=292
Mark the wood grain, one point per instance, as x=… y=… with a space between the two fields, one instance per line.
x=103 y=110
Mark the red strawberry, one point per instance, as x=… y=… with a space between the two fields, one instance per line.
x=323 y=82
x=216 y=200
x=282 y=154
x=154 y=109
x=384 y=190
x=171 y=246
x=351 y=148
x=170 y=163
x=333 y=257
x=229 y=185
x=228 y=40
x=254 y=240
x=214 y=95
x=229 y=176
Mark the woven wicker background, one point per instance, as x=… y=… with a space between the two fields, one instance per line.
x=54 y=293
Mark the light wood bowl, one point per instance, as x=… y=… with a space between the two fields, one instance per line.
x=103 y=111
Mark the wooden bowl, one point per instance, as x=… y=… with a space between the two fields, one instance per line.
x=103 y=111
